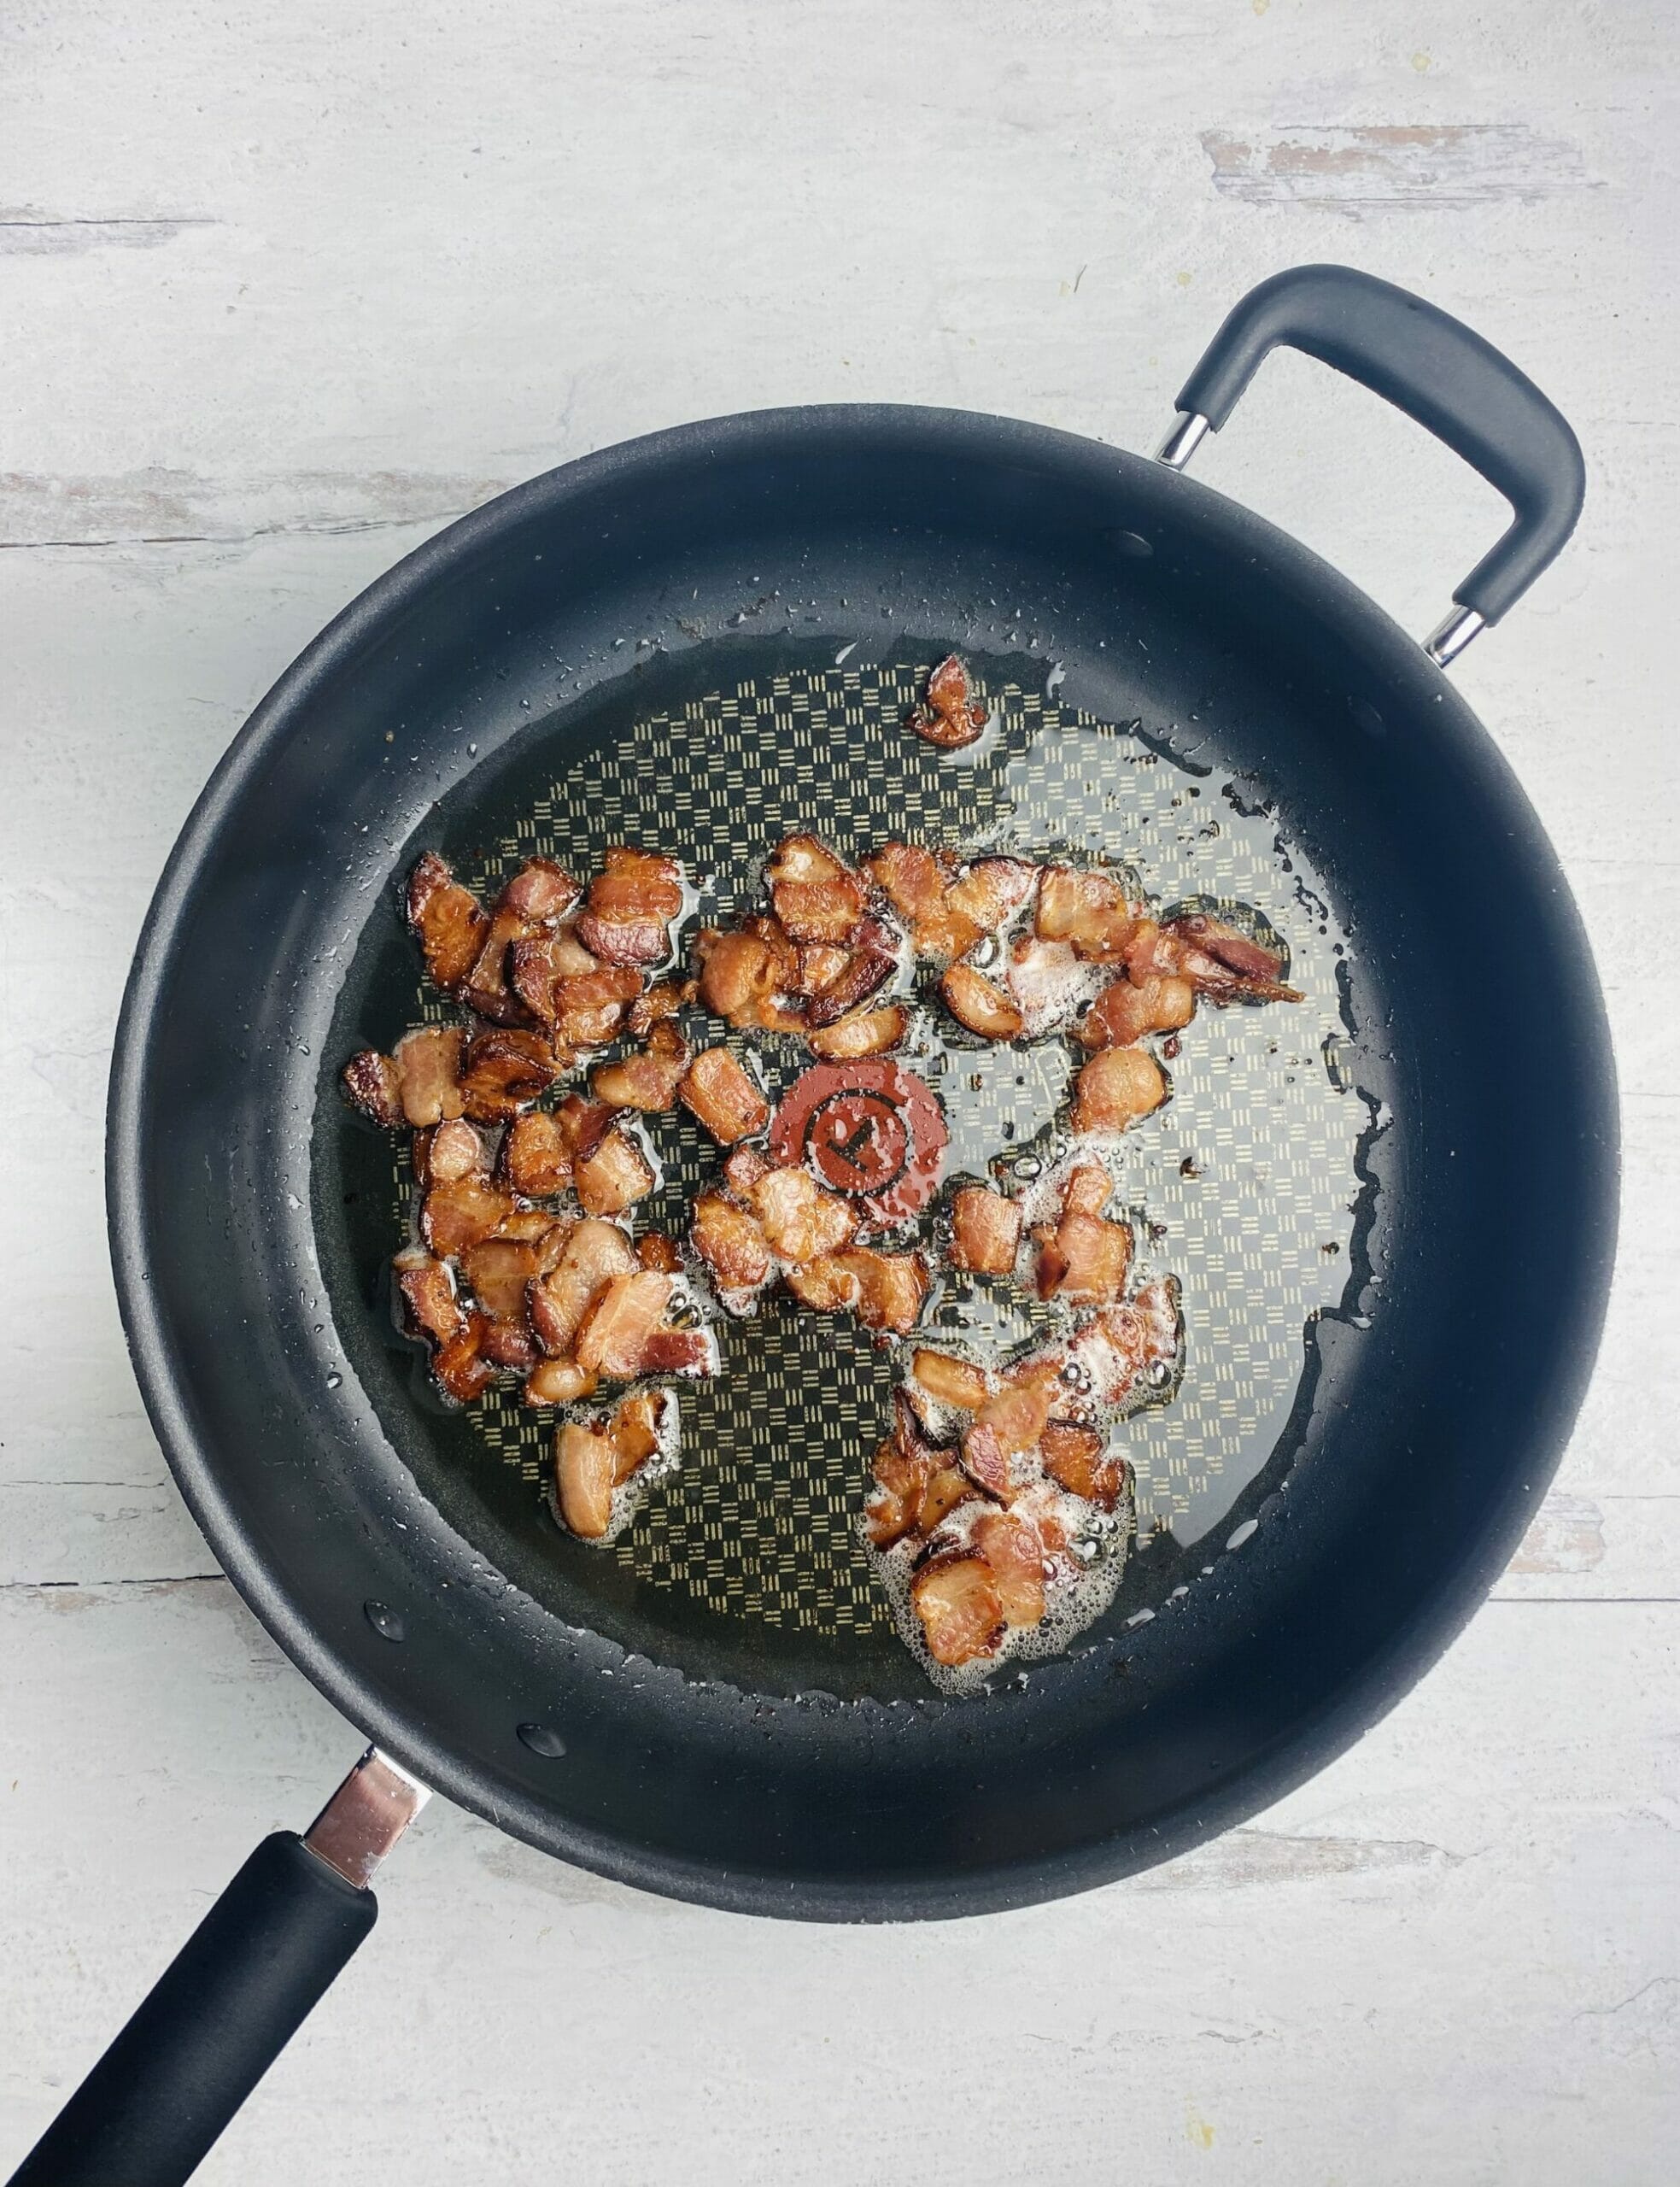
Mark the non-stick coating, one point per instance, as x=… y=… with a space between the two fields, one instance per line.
x=1429 y=1437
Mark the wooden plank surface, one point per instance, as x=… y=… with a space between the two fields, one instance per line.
x=287 y=288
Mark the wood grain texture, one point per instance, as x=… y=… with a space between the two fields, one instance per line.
x=287 y=288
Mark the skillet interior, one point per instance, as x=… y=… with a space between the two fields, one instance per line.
x=1399 y=1489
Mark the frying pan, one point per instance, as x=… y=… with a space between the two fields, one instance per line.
x=706 y=637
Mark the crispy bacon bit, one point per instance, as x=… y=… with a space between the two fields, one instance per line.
x=1075 y=1459
x=865 y=1033
x=918 y=883
x=624 y=941
x=800 y=1221
x=454 y=1150
x=873 y=962
x=539 y=894
x=455 y=1216
x=817 y=965
x=1013 y=1549
x=985 y=1231
x=614 y=1175
x=1123 y=1013
x=459 y=1367
x=427 y=1291
x=511 y=1344
x=949 y=1486
x=743 y=1168
x=992 y=890
x=973 y=1000
x=894 y=1507
x=1016 y=1416
x=429 y=1065
x=826 y=1284
x=635 y=1432
x=718 y=1090
x=731 y=1243
x=1116 y=1087
x=891 y=1287
x=680 y=1351
x=1239 y=952
x=1085 y=1261
x=589 y=1009
x=536 y=1158
x=558 y=1382
x=612 y=1338
x=1090 y=910
x=374 y=1083
x=583 y=1469
x=817 y=897
x=655 y=1249
x=661 y=1003
x=448 y=920
x=504 y=1072
x=595 y=1253
x=956 y=1600
x=630 y=908
x=486 y=985
x=536 y=964
x=948 y=717
x=498 y=1271
x=952 y=1381
x=740 y=973
x=985 y=1459
x=647 y=1081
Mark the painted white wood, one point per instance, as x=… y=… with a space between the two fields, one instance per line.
x=284 y=289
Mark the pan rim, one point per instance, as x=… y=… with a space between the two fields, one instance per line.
x=1372 y=1688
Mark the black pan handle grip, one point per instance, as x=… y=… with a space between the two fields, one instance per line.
x=1437 y=371
x=266 y=1952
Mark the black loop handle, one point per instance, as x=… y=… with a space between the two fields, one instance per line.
x=1437 y=371
x=221 y=2013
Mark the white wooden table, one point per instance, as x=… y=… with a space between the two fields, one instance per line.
x=284 y=289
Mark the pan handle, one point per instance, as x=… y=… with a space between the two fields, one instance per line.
x=220 y=2015
x=1437 y=371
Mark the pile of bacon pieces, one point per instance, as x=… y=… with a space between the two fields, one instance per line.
x=993 y=1473
x=505 y=1282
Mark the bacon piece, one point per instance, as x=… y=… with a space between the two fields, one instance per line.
x=872 y=962
x=891 y=1287
x=455 y=1216
x=635 y=1432
x=541 y=893
x=1237 y=952
x=865 y=1033
x=630 y=908
x=614 y=1175
x=486 y=985
x=730 y=1242
x=589 y=1008
x=975 y=1001
x=826 y=1284
x=742 y=971
x=1016 y=1415
x=816 y=964
x=742 y=1169
x=504 y=1072
x=800 y=1221
x=498 y=1271
x=679 y=1352
x=510 y=1345
x=451 y=1151
x=624 y=941
x=536 y=965
x=956 y=1599
x=1086 y=1190
x=947 y=716
x=429 y=1065
x=718 y=1089
x=595 y=1253
x=919 y=885
x=894 y=1505
x=558 y=1382
x=1085 y=1260
x=449 y=921
x=459 y=1367
x=1123 y=1012
x=1115 y=1088
x=428 y=1290
x=953 y=1382
x=948 y=1486
x=535 y=1155
x=583 y=1469
x=1090 y=910
x=374 y=1083
x=647 y=1081
x=1013 y=1549
x=655 y=1249
x=1074 y=1458
x=985 y=1459
x=985 y=1231
x=612 y=1338
x=661 y=1003
x=817 y=897
x=991 y=891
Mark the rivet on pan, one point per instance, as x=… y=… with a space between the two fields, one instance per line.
x=541 y=1740
x=384 y=1621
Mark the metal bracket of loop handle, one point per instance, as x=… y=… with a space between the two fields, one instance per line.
x=1443 y=645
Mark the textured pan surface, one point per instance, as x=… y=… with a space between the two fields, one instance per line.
x=1419 y=1449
